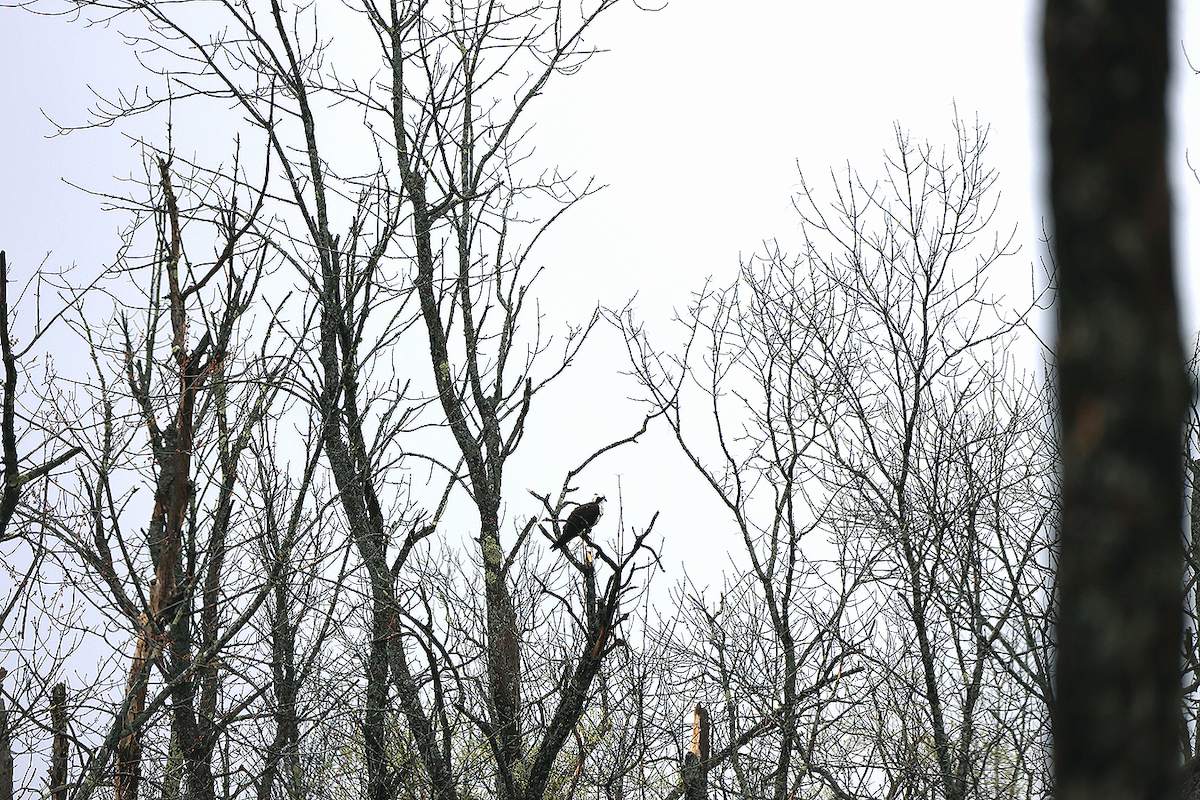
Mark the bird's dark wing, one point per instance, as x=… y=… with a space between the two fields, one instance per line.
x=580 y=520
x=585 y=516
x=576 y=522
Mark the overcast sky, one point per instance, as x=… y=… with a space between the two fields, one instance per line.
x=697 y=119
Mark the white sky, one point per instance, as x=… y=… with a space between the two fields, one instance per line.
x=696 y=119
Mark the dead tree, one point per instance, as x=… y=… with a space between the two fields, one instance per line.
x=694 y=770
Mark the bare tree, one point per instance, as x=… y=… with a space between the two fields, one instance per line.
x=858 y=405
x=284 y=440
x=14 y=478
x=1190 y=741
x=432 y=241
x=24 y=511
x=167 y=583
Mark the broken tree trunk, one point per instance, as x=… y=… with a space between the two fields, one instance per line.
x=59 y=751
x=695 y=761
x=129 y=749
x=6 y=760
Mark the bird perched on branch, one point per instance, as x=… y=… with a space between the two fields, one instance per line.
x=580 y=521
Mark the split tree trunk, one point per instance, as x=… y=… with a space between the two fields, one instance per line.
x=128 y=770
x=695 y=761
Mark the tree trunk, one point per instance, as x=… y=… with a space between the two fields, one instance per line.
x=695 y=761
x=504 y=653
x=59 y=752
x=128 y=769
x=1123 y=397
x=6 y=759
x=282 y=752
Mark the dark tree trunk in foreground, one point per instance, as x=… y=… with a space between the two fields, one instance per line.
x=1123 y=396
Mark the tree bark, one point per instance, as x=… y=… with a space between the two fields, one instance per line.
x=60 y=752
x=6 y=759
x=1123 y=401
x=128 y=769
x=695 y=761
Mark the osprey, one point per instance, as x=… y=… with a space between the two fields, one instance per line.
x=580 y=521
